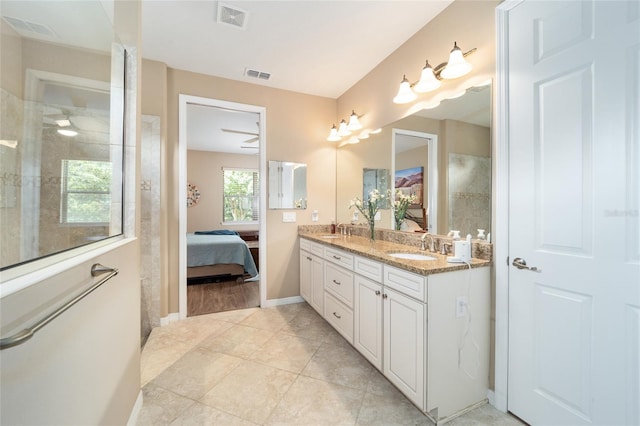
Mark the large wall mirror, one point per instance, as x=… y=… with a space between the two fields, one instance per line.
x=456 y=183
x=61 y=139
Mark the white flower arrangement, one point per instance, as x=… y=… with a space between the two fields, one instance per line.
x=401 y=204
x=369 y=208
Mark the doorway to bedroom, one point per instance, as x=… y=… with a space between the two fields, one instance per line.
x=221 y=147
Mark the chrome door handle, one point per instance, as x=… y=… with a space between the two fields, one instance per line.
x=522 y=264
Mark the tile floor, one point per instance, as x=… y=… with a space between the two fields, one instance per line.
x=282 y=365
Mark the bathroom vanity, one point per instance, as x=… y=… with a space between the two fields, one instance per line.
x=423 y=323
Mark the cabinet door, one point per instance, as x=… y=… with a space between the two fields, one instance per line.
x=317 y=284
x=368 y=320
x=305 y=275
x=404 y=348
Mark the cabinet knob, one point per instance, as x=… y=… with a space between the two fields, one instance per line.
x=384 y=296
x=308 y=258
x=377 y=292
x=336 y=315
x=336 y=282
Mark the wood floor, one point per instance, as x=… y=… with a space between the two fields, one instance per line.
x=222 y=296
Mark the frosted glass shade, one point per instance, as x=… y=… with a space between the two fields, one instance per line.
x=405 y=94
x=428 y=81
x=457 y=65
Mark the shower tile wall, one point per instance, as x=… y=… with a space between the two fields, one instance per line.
x=469 y=193
x=10 y=177
x=150 y=224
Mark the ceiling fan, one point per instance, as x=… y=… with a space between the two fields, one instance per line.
x=255 y=138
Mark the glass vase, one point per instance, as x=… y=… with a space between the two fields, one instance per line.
x=372 y=230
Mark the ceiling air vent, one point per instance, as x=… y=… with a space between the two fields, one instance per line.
x=29 y=29
x=257 y=74
x=233 y=16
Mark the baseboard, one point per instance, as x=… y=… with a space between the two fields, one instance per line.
x=173 y=317
x=491 y=396
x=135 y=411
x=284 y=301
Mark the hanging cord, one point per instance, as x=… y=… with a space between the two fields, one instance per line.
x=467 y=335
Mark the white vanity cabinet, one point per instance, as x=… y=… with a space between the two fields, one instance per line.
x=338 y=286
x=428 y=334
x=404 y=328
x=312 y=274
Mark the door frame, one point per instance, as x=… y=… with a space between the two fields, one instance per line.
x=501 y=217
x=432 y=173
x=183 y=100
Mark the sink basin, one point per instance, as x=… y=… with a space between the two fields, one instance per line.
x=329 y=236
x=411 y=256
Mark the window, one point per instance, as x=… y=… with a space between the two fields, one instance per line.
x=86 y=192
x=240 y=195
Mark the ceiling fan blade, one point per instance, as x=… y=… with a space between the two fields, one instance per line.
x=240 y=132
x=252 y=140
x=249 y=147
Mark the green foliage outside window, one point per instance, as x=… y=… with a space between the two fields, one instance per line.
x=86 y=191
x=240 y=200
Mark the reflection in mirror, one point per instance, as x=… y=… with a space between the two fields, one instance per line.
x=463 y=132
x=287 y=185
x=376 y=179
x=61 y=140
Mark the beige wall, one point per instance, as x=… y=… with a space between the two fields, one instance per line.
x=297 y=126
x=295 y=131
x=84 y=366
x=204 y=169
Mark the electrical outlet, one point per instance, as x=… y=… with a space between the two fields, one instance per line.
x=461 y=306
x=314 y=216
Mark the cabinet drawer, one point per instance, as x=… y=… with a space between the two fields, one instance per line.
x=368 y=268
x=413 y=285
x=339 y=257
x=317 y=249
x=339 y=282
x=339 y=316
x=305 y=244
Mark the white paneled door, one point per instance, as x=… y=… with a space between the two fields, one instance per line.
x=574 y=190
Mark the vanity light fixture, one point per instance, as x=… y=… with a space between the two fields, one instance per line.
x=333 y=135
x=345 y=129
x=405 y=94
x=430 y=77
x=354 y=123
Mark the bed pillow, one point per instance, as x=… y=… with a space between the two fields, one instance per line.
x=217 y=232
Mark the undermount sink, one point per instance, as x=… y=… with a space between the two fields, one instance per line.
x=411 y=256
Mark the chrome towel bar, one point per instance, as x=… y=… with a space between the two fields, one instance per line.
x=27 y=333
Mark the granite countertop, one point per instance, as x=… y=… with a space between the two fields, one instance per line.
x=379 y=251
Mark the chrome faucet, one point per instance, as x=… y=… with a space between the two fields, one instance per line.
x=444 y=248
x=343 y=228
x=423 y=242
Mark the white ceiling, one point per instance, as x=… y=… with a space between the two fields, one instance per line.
x=309 y=46
x=315 y=47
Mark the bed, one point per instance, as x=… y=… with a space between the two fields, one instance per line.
x=218 y=256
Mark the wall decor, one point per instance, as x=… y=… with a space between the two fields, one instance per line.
x=409 y=181
x=193 y=195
